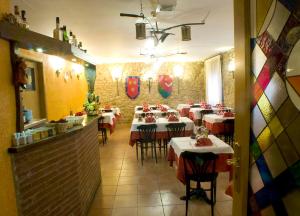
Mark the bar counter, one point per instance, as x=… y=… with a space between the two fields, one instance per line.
x=58 y=175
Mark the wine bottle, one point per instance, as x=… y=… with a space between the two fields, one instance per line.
x=80 y=45
x=65 y=34
x=24 y=20
x=17 y=15
x=71 y=37
x=74 y=40
x=56 y=31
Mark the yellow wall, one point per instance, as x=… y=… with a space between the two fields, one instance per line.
x=61 y=97
x=7 y=126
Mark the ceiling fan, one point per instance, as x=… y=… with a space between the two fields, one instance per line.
x=153 y=55
x=160 y=34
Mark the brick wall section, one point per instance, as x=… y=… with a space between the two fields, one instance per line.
x=59 y=177
x=192 y=86
x=228 y=79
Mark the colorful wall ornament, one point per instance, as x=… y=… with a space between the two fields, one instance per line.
x=132 y=87
x=274 y=178
x=165 y=85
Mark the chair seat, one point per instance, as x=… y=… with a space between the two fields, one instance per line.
x=207 y=178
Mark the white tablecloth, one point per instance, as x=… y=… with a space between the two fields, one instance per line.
x=214 y=118
x=108 y=118
x=162 y=122
x=181 y=144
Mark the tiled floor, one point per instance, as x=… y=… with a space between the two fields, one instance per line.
x=129 y=189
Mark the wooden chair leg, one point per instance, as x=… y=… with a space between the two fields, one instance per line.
x=137 y=151
x=142 y=153
x=154 y=148
x=187 y=197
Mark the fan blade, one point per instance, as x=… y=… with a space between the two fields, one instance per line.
x=185 y=24
x=131 y=15
x=164 y=36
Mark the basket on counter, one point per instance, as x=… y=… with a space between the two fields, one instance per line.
x=62 y=127
x=75 y=120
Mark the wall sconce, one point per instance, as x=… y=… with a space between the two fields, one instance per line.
x=149 y=76
x=57 y=64
x=77 y=70
x=178 y=71
x=231 y=66
x=116 y=74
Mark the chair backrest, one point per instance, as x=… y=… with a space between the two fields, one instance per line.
x=195 y=106
x=147 y=132
x=199 y=165
x=100 y=122
x=204 y=112
x=228 y=126
x=176 y=129
x=107 y=110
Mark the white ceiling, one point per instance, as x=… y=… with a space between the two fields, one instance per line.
x=111 y=38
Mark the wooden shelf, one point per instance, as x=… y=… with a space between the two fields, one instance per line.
x=32 y=40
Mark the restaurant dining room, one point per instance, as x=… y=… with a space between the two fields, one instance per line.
x=149 y=108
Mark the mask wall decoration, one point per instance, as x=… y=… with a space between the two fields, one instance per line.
x=165 y=85
x=20 y=76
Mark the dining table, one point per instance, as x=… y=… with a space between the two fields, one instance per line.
x=161 y=130
x=214 y=123
x=136 y=108
x=184 y=109
x=109 y=121
x=155 y=112
x=178 y=145
x=195 y=113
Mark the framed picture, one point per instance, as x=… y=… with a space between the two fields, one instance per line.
x=31 y=79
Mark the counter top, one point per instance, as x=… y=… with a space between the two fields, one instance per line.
x=86 y=122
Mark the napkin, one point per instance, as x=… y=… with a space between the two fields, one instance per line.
x=149 y=119
x=172 y=118
x=204 y=142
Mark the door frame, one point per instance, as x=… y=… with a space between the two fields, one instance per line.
x=242 y=103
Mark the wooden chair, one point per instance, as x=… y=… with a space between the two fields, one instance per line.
x=228 y=131
x=147 y=138
x=200 y=167
x=102 y=129
x=204 y=112
x=174 y=130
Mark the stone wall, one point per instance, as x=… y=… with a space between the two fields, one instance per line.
x=228 y=79
x=192 y=86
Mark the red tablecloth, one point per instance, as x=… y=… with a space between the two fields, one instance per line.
x=214 y=128
x=134 y=135
x=109 y=126
x=221 y=166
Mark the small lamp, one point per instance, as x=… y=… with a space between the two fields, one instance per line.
x=116 y=74
x=186 y=33
x=57 y=64
x=77 y=69
x=178 y=71
x=140 y=30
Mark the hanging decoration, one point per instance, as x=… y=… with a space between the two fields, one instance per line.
x=165 y=85
x=132 y=86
